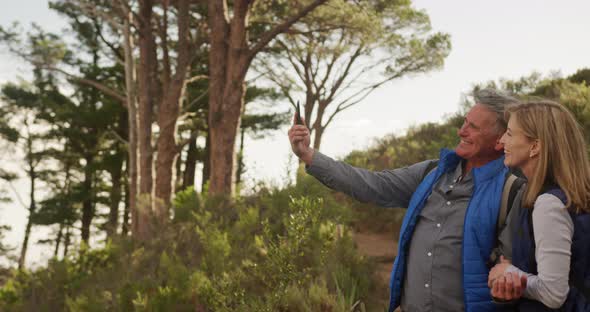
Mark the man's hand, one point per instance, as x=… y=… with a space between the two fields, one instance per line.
x=498 y=271
x=504 y=285
x=300 y=140
x=509 y=286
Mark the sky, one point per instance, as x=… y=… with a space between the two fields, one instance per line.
x=490 y=40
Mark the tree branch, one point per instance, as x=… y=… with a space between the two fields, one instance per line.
x=99 y=86
x=124 y=5
x=293 y=60
x=183 y=143
x=335 y=57
x=281 y=84
x=162 y=30
x=271 y=34
x=118 y=137
x=114 y=49
x=91 y=10
x=196 y=78
x=341 y=79
x=193 y=102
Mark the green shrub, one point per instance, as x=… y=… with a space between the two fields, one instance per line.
x=278 y=250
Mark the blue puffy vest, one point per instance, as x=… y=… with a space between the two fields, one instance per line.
x=479 y=230
x=523 y=257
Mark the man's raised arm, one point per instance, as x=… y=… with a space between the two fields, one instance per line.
x=388 y=188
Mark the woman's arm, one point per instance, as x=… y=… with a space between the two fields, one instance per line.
x=554 y=229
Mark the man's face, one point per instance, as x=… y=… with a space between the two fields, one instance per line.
x=480 y=140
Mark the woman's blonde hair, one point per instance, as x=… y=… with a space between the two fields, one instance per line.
x=563 y=158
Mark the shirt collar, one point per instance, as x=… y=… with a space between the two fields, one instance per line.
x=458 y=173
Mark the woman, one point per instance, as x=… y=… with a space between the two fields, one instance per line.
x=551 y=244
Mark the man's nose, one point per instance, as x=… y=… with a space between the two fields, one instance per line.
x=461 y=131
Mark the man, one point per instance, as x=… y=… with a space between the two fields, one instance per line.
x=449 y=229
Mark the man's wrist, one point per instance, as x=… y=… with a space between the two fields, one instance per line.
x=307 y=157
x=499 y=301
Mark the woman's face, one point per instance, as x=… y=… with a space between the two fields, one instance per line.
x=517 y=147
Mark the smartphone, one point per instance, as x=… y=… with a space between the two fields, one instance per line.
x=298 y=120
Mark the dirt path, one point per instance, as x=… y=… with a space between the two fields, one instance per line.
x=382 y=247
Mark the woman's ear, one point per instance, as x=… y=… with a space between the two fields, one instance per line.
x=535 y=148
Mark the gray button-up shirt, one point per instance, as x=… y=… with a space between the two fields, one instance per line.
x=433 y=280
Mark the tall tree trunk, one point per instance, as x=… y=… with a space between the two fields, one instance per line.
x=126 y=212
x=190 y=165
x=224 y=124
x=177 y=185
x=146 y=95
x=141 y=211
x=32 y=207
x=138 y=217
x=66 y=242
x=67 y=189
x=87 y=202
x=115 y=198
x=165 y=171
x=166 y=154
x=58 y=239
x=116 y=172
x=317 y=129
x=218 y=23
x=206 y=173
x=240 y=170
x=317 y=139
x=168 y=115
x=90 y=151
x=226 y=90
x=117 y=177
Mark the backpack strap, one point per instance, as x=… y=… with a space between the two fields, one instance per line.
x=431 y=167
x=512 y=185
x=506 y=202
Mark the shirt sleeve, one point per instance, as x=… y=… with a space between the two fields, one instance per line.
x=554 y=229
x=388 y=188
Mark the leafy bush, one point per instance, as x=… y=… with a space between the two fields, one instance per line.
x=279 y=250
